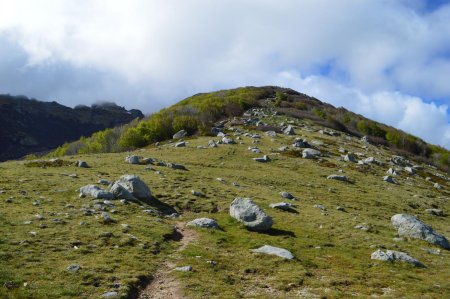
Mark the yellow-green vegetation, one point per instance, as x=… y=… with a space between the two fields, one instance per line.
x=197 y=114
x=332 y=258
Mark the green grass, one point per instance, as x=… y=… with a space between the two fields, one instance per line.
x=332 y=258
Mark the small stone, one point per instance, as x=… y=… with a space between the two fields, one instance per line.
x=133 y=159
x=435 y=212
x=280 y=252
x=184 y=269
x=282 y=206
x=82 y=164
x=389 y=179
x=73 y=268
x=110 y=295
x=180 y=144
x=179 y=134
x=197 y=193
x=287 y=195
x=337 y=177
x=342 y=209
x=204 y=222
x=263 y=159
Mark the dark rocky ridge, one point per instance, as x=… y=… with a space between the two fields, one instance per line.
x=30 y=126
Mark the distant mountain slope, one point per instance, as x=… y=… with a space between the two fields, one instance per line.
x=200 y=113
x=29 y=126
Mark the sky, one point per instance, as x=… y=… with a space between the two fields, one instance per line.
x=388 y=60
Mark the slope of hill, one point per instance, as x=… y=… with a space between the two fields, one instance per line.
x=30 y=126
x=54 y=244
x=199 y=113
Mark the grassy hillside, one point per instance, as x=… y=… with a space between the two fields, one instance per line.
x=332 y=257
x=197 y=114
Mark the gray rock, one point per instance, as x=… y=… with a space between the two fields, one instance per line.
x=350 y=158
x=271 y=134
x=197 y=193
x=283 y=148
x=263 y=159
x=289 y=130
x=392 y=171
x=321 y=207
x=342 y=209
x=212 y=143
x=435 y=212
x=309 y=153
x=204 y=222
x=95 y=192
x=180 y=144
x=300 y=143
x=282 y=206
x=337 y=177
x=179 y=134
x=364 y=227
x=228 y=140
x=250 y=214
x=400 y=161
x=106 y=217
x=133 y=159
x=73 y=268
x=287 y=195
x=184 y=269
x=389 y=179
x=438 y=186
x=135 y=186
x=267 y=249
x=120 y=192
x=392 y=255
x=410 y=170
x=104 y=182
x=110 y=295
x=410 y=226
x=82 y=164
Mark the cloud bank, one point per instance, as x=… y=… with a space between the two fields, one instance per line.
x=388 y=60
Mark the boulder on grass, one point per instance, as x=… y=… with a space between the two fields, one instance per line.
x=134 y=185
x=250 y=214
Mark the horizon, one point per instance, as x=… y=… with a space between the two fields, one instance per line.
x=386 y=61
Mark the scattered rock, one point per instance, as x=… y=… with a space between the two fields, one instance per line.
x=410 y=170
x=283 y=148
x=106 y=217
x=104 y=182
x=392 y=171
x=342 y=209
x=438 y=186
x=271 y=134
x=267 y=249
x=82 y=164
x=212 y=143
x=350 y=158
x=287 y=195
x=410 y=226
x=197 y=193
x=400 y=161
x=265 y=158
x=300 y=143
x=309 y=153
x=135 y=186
x=364 y=227
x=250 y=214
x=282 y=206
x=110 y=295
x=389 y=179
x=338 y=177
x=204 y=222
x=391 y=256
x=133 y=159
x=432 y=251
x=289 y=130
x=321 y=207
x=121 y=192
x=228 y=140
x=73 y=268
x=179 y=134
x=183 y=269
x=95 y=192
x=180 y=144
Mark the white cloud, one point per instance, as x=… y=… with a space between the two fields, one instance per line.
x=159 y=51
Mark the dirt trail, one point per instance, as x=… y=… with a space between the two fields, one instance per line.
x=164 y=284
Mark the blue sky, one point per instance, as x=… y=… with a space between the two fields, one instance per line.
x=386 y=59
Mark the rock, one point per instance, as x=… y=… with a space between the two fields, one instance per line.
x=135 y=186
x=350 y=158
x=110 y=295
x=287 y=195
x=197 y=193
x=148 y=161
x=321 y=207
x=265 y=158
x=438 y=186
x=283 y=148
x=429 y=179
x=184 y=269
x=435 y=212
x=95 y=192
x=106 y=217
x=289 y=130
x=364 y=227
x=432 y=251
x=389 y=179
x=120 y=192
x=282 y=206
x=410 y=226
x=212 y=143
x=180 y=144
x=103 y=182
x=410 y=170
x=365 y=139
x=204 y=222
x=133 y=159
x=391 y=256
x=299 y=142
x=309 y=153
x=73 y=268
x=82 y=164
x=342 y=209
x=179 y=134
x=227 y=140
x=337 y=177
x=392 y=171
x=267 y=249
x=251 y=215
x=369 y=160
x=271 y=134
x=400 y=161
